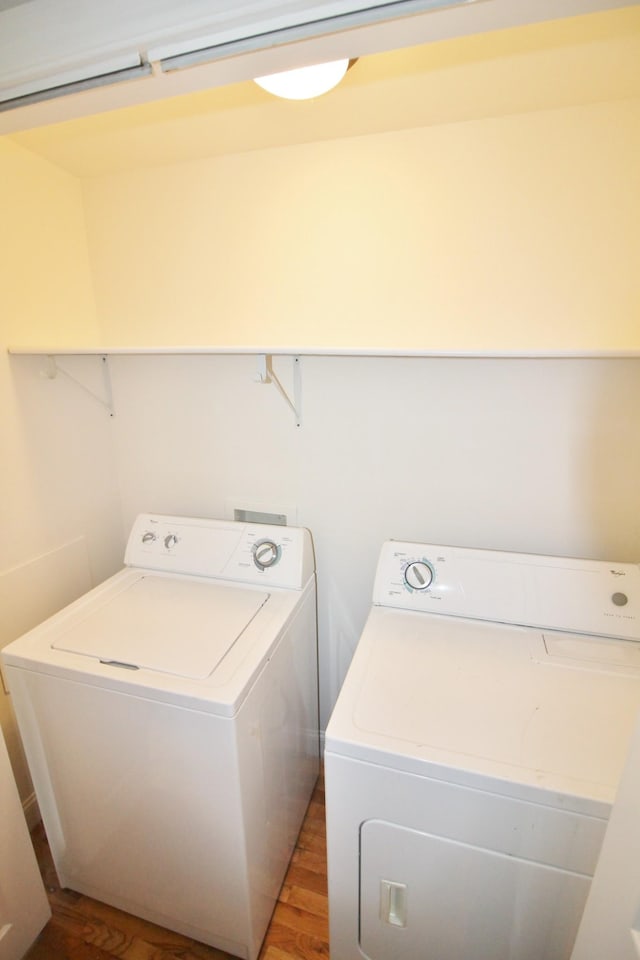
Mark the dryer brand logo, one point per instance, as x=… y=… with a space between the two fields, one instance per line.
x=618 y=573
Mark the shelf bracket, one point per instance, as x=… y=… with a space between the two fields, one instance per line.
x=106 y=401
x=266 y=374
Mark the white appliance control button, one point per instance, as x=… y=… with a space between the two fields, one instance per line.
x=620 y=599
x=148 y=537
x=170 y=540
x=266 y=553
x=418 y=575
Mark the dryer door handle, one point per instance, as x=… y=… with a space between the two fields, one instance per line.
x=393 y=903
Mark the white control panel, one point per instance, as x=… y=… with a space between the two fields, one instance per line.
x=557 y=593
x=224 y=549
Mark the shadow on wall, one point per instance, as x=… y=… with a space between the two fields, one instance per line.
x=609 y=457
x=500 y=454
x=541 y=456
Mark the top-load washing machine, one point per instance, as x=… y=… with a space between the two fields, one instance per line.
x=170 y=721
x=474 y=751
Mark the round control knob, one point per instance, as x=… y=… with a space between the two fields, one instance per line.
x=620 y=599
x=418 y=575
x=170 y=540
x=266 y=554
x=148 y=537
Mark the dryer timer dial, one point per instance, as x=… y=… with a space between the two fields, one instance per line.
x=266 y=554
x=418 y=575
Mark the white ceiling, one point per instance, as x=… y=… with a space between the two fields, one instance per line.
x=556 y=63
x=429 y=26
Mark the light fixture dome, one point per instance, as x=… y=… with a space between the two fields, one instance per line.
x=305 y=82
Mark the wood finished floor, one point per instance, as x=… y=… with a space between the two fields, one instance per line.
x=84 y=929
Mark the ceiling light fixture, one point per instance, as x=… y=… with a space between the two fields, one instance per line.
x=305 y=82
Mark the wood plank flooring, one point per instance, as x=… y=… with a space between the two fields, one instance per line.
x=84 y=929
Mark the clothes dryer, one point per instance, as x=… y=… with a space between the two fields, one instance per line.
x=474 y=751
x=170 y=721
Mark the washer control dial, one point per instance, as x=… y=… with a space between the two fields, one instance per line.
x=170 y=540
x=266 y=554
x=149 y=537
x=418 y=575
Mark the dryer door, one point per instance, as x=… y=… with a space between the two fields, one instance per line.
x=425 y=896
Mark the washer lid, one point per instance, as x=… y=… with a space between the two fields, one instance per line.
x=178 y=627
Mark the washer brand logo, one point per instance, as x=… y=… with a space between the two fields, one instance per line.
x=618 y=573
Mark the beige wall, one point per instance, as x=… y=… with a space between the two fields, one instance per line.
x=513 y=233
x=46 y=290
x=57 y=481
